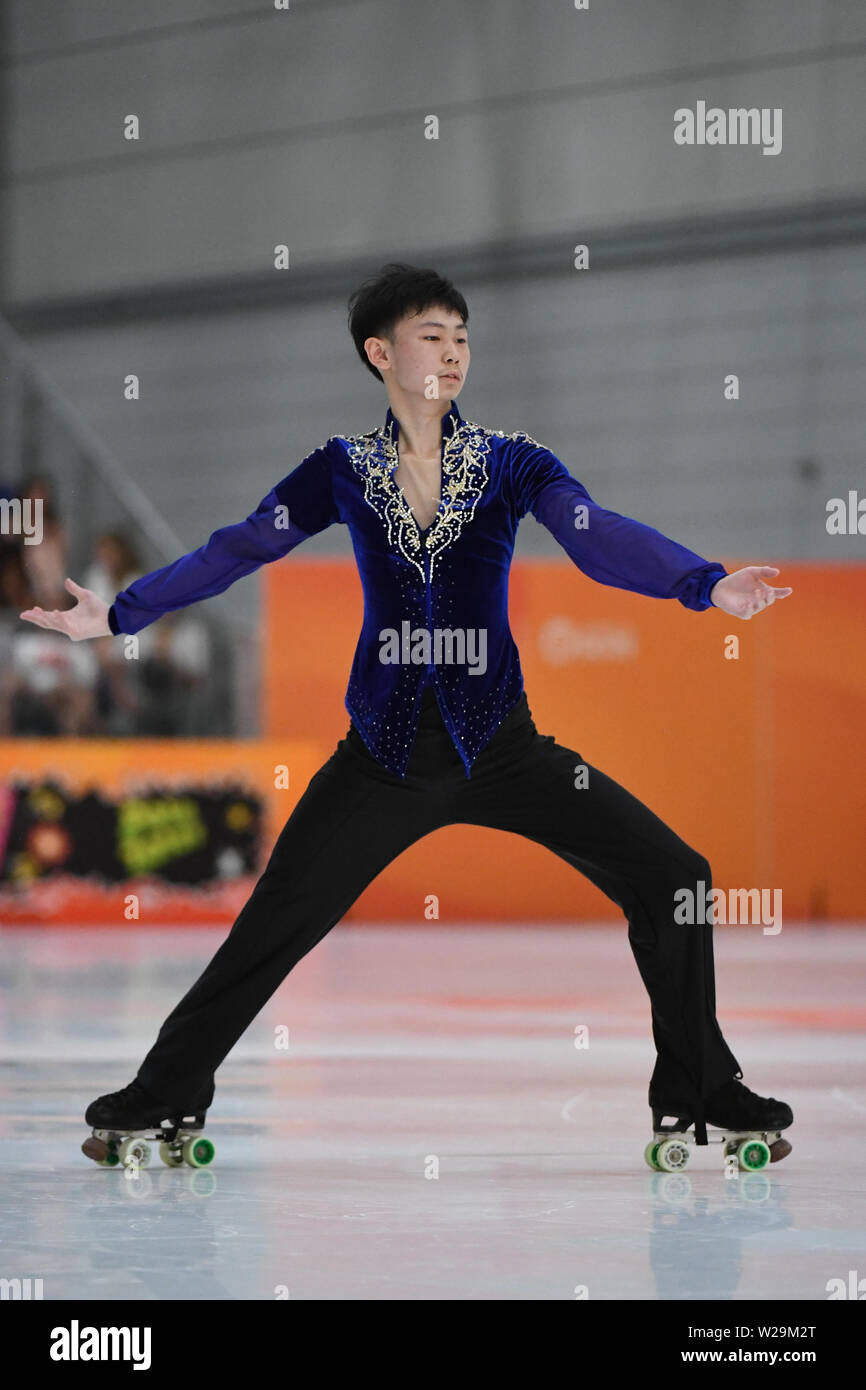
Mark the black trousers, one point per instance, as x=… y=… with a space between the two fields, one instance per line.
x=355 y=817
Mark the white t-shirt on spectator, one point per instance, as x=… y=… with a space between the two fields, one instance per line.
x=46 y=661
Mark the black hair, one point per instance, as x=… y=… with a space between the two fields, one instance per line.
x=396 y=290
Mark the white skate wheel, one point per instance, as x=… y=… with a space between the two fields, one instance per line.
x=672 y=1155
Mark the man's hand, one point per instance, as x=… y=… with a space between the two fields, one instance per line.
x=89 y=618
x=744 y=593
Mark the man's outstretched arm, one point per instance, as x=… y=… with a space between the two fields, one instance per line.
x=298 y=507
x=627 y=554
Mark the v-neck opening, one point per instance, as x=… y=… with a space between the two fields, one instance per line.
x=422 y=530
x=453 y=415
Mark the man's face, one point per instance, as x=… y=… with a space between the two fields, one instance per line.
x=429 y=355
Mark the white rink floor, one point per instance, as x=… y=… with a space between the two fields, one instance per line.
x=430 y=1044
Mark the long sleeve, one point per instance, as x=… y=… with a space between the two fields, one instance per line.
x=607 y=547
x=299 y=506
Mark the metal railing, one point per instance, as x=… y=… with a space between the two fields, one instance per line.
x=41 y=431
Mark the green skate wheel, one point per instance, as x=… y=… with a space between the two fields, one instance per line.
x=197 y=1152
x=672 y=1155
x=170 y=1155
x=649 y=1154
x=753 y=1155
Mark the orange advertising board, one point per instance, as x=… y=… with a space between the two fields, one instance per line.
x=754 y=756
x=150 y=830
x=757 y=759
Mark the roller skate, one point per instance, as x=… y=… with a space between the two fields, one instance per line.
x=749 y=1129
x=126 y=1120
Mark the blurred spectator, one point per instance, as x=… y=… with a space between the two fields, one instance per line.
x=45 y=564
x=173 y=677
x=14 y=589
x=115 y=565
x=51 y=687
x=48 y=682
x=160 y=693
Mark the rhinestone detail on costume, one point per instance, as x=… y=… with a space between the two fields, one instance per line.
x=374 y=458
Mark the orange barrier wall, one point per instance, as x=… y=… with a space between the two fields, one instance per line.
x=757 y=762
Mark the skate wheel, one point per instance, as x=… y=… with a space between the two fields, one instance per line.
x=171 y=1155
x=100 y=1151
x=780 y=1149
x=649 y=1154
x=672 y=1155
x=753 y=1155
x=197 y=1152
x=134 y=1153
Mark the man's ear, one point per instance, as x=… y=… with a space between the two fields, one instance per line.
x=375 y=350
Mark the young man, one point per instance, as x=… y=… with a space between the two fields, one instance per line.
x=432 y=502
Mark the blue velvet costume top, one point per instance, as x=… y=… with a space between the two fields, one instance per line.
x=451 y=576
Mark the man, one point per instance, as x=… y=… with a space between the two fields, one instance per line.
x=441 y=731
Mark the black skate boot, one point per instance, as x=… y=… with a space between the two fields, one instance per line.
x=125 y=1120
x=734 y=1106
x=750 y=1129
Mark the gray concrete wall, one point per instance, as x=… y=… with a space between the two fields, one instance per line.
x=260 y=127
x=307 y=126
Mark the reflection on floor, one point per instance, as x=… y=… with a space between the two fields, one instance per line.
x=459 y=1114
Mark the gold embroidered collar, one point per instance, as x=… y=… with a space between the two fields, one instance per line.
x=465 y=447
